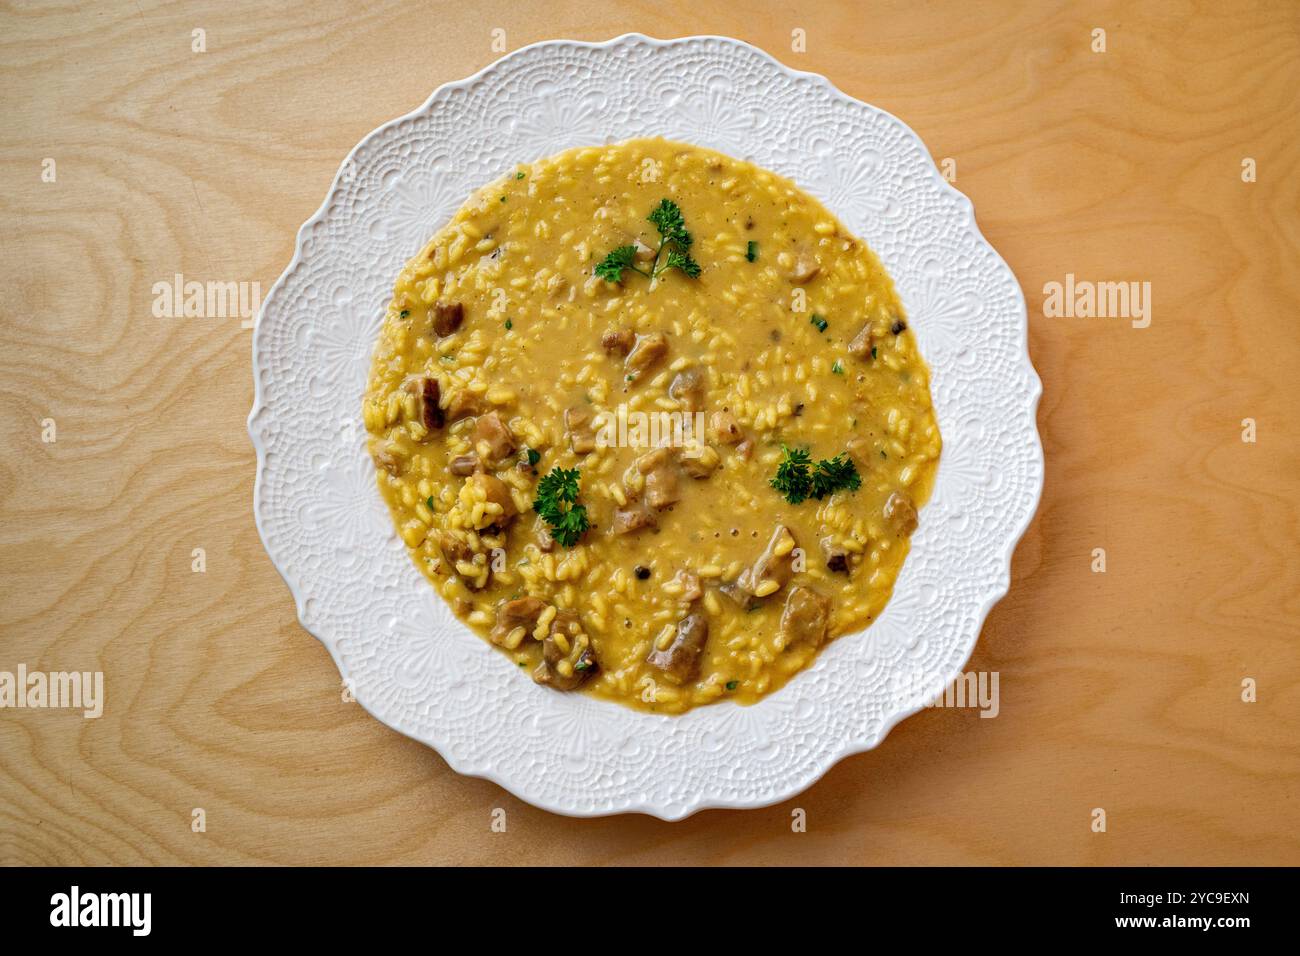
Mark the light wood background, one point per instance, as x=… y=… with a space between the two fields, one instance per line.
x=1119 y=690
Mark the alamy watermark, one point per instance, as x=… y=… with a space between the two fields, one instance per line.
x=181 y=299
x=74 y=690
x=974 y=689
x=1085 y=299
x=622 y=428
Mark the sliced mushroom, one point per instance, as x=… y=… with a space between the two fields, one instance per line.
x=837 y=557
x=688 y=389
x=429 y=394
x=544 y=540
x=725 y=428
x=680 y=660
x=578 y=423
x=862 y=342
x=617 y=341
x=492 y=438
x=632 y=518
x=453 y=547
x=860 y=451
x=447 y=317
x=690 y=585
x=567 y=658
x=805 y=268
x=742 y=597
x=648 y=352
x=462 y=404
x=699 y=461
x=661 y=480
x=515 y=621
x=901 y=513
x=387 y=459
x=463 y=465
x=805 y=617
x=774 y=567
x=495 y=491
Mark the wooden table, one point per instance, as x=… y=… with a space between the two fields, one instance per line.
x=1119 y=690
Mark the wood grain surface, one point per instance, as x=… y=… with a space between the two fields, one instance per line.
x=1119 y=690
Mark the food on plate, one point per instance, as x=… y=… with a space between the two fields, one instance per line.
x=653 y=422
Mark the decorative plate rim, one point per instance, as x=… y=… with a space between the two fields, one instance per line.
x=300 y=590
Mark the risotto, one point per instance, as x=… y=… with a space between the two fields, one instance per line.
x=653 y=423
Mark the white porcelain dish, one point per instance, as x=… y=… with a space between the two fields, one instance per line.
x=406 y=657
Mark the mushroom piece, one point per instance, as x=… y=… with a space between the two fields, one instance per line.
x=567 y=658
x=805 y=617
x=578 y=423
x=453 y=547
x=447 y=317
x=661 y=483
x=545 y=542
x=495 y=491
x=463 y=465
x=492 y=438
x=428 y=394
x=512 y=616
x=805 y=268
x=725 y=428
x=901 y=513
x=688 y=389
x=680 y=660
x=771 y=572
x=387 y=459
x=862 y=343
x=699 y=461
x=632 y=518
x=860 y=451
x=648 y=352
x=837 y=557
x=690 y=585
x=462 y=404
x=617 y=341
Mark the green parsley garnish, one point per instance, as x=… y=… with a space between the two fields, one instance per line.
x=503 y=198
x=405 y=313
x=429 y=501
x=674 y=239
x=819 y=321
x=837 y=368
x=582 y=665
x=798 y=478
x=519 y=175
x=751 y=250
x=509 y=325
x=557 y=503
x=833 y=474
x=533 y=455
x=873 y=351
x=732 y=684
x=793 y=476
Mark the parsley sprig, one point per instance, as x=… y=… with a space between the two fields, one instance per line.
x=799 y=478
x=557 y=503
x=674 y=248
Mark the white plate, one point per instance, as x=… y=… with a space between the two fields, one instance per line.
x=406 y=657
